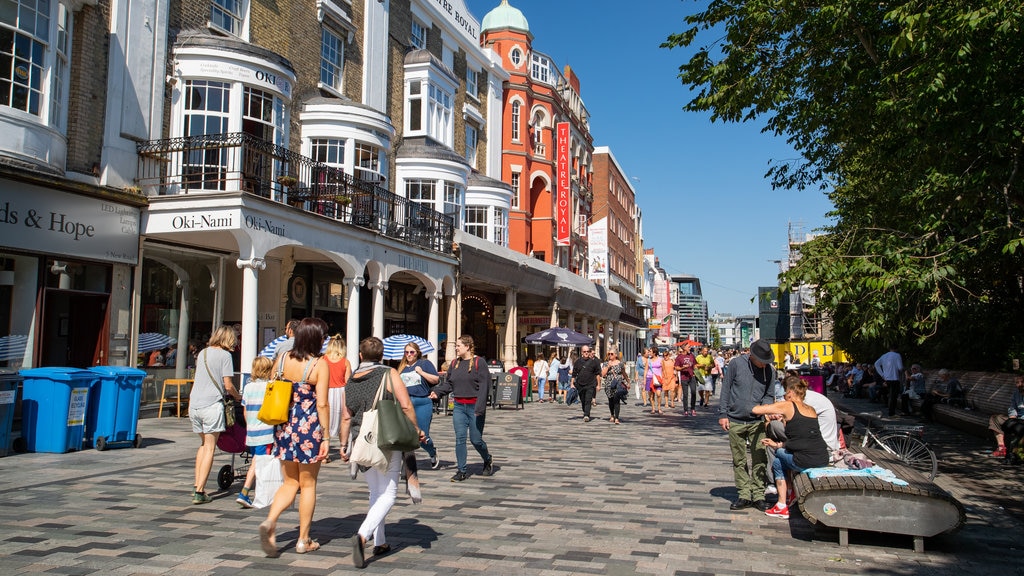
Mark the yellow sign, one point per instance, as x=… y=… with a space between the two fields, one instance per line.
x=805 y=351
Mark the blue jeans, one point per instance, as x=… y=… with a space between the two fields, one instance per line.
x=424 y=407
x=464 y=418
x=784 y=461
x=540 y=387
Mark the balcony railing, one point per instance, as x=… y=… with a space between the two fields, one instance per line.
x=237 y=161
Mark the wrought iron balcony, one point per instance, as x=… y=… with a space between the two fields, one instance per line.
x=241 y=162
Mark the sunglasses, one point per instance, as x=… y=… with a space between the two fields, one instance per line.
x=410 y=351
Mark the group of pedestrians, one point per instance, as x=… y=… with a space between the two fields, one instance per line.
x=328 y=400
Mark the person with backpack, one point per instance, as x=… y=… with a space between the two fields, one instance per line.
x=468 y=380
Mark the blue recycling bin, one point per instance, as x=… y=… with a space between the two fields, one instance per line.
x=53 y=408
x=113 y=408
x=9 y=382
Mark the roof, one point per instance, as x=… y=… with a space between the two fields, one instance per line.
x=505 y=16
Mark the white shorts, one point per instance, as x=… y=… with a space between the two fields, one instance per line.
x=207 y=420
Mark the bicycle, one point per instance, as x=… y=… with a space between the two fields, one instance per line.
x=904 y=442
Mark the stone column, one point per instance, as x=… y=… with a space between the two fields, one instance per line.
x=509 y=352
x=433 y=318
x=378 y=289
x=352 y=337
x=250 y=312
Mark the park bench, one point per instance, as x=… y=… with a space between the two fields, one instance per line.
x=985 y=394
x=921 y=509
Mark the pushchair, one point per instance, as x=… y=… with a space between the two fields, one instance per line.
x=232 y=441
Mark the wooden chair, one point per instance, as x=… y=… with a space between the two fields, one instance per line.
x=177 y=383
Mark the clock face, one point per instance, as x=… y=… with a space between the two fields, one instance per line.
x=299 y=290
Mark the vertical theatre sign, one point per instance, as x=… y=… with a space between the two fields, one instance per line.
x=563 y=195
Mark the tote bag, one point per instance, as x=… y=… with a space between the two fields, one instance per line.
x=365 y=451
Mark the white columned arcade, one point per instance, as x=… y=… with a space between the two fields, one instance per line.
x=352 y=319
x=250 y=311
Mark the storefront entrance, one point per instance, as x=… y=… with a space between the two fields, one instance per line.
x=73 y=328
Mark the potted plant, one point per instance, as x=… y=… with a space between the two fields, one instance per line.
x=287 y=180
x=343 y=199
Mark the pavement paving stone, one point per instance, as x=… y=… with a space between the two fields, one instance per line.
x=649 y=496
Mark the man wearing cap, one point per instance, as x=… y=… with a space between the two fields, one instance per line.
x=748 y=382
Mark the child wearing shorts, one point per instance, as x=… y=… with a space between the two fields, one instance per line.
x=259 y=437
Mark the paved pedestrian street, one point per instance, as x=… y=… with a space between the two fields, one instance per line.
x=649 y=496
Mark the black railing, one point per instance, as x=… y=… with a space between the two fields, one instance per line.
x=237 y=161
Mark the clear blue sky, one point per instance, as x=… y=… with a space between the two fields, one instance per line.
x=707 y=208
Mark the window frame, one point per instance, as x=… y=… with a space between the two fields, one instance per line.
x=241 y=18
x=418 y=41
x=337 y=67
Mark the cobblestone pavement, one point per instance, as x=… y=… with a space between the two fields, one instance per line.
x=649 y=496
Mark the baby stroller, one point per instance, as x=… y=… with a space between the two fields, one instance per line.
x=232 y=441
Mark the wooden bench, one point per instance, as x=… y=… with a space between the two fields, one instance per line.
x=921 y=509
x=985 y=394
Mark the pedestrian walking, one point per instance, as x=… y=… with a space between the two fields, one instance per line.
x=584 y=379
x=468 y=380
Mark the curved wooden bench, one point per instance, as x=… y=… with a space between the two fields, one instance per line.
x=921 y=509
x=985 y=394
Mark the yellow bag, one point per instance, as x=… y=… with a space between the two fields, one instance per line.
x=276 y=403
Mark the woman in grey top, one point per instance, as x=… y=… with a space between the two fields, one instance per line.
x=213 y=380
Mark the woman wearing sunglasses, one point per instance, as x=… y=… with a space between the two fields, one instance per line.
x=419 y=376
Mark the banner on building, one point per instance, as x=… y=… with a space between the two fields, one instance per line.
x=563 y=193
x=597 y=248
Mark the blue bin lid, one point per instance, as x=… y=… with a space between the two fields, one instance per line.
x=118 y=371
x=61 y=373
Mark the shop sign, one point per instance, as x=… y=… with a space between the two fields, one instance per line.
x=44 y=220
x=563 y=195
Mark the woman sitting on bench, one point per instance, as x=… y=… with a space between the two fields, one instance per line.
x=804 y=447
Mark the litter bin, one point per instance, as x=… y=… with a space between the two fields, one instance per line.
x=113 y=414
x=9 y=381
x=53 y=405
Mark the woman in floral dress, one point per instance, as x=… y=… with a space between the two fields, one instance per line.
x=301 y=443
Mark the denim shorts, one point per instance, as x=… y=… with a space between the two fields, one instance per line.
x=207 y=420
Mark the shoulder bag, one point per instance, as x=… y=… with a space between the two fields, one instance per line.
x=394 y=430
x=229 y=402
x=277 y=401
x=365 y=451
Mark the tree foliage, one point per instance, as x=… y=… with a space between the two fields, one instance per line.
x=910 y=116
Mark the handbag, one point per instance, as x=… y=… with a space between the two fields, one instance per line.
x=277 y=401
x=365 y=451
x=394 y=430
x=229 y=402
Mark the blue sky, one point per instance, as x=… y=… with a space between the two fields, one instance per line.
x=707 y=208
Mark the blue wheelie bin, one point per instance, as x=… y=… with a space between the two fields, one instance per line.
x=113 y=415
x=9 y=381
x=53 y=408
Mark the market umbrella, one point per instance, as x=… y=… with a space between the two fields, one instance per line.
x=690 y=343
x=13 y=347
x=149 y=341
x=558 y=337
x=270 y=350
x=394 y=345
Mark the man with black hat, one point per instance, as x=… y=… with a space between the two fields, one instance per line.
x=748 y=382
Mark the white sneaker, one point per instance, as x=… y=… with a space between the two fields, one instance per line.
x=771 y=490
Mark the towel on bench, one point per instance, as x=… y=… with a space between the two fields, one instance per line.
x=874 y=471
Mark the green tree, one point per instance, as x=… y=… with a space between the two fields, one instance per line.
x=909 y=115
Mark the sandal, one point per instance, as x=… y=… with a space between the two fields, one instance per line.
x=267 y=540
x=381 y=550
x=307 y=545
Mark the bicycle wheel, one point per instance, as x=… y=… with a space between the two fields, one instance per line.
x=912 y=452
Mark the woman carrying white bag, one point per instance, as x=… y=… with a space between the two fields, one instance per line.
x=382 y=481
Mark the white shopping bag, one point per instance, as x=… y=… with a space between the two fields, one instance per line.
x=269 y=478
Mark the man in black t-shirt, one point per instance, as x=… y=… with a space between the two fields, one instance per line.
x=584 y=378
